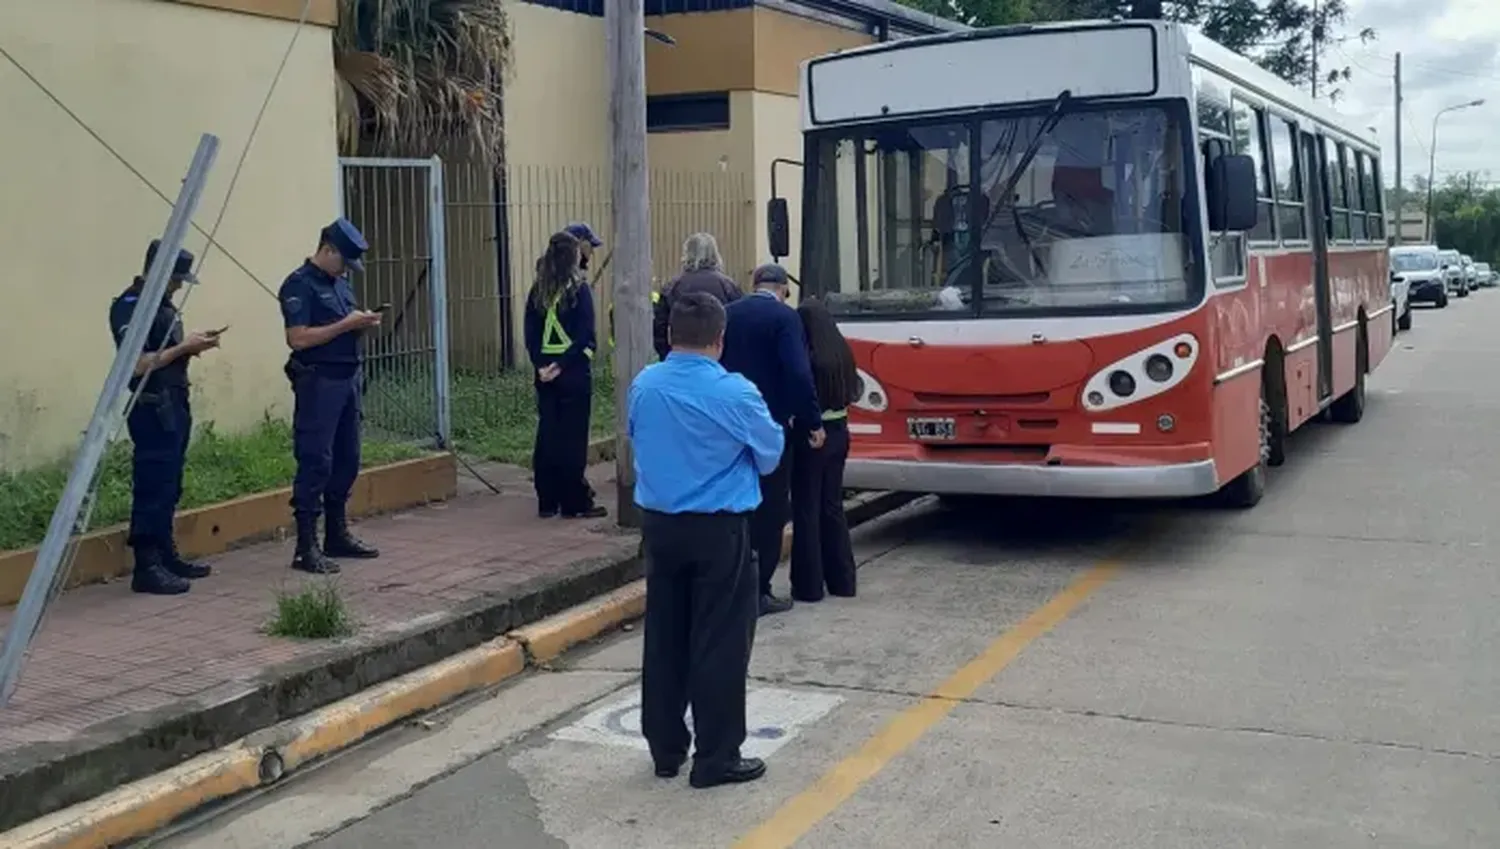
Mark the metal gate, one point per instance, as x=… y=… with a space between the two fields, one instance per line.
x=398 y=205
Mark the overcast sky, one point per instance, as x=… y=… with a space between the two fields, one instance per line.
x=1450 y=53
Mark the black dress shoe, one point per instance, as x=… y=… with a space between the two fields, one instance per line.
x=598 y=511
x=741 y=771
x=771 y=604
x=670 y=770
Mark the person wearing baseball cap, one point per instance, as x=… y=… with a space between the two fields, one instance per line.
x=324 y=324
x=764 y=341
x=587 y=242
x=160 y=424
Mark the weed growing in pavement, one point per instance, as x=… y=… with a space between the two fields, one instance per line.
x=317 y=611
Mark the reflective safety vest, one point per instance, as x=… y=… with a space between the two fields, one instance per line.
x=655 y=299
x=555 y=340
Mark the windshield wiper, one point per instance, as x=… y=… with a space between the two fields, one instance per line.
x=1007 y=194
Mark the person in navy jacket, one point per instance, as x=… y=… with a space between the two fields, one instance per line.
x=764 y=341
x=560 y=338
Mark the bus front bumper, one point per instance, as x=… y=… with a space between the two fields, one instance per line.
x=1178 y=480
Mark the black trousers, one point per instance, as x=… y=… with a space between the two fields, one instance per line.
x=822 y=555
x=561 y=452
x=326 y=417
x=701 y=609
x=768 y=523
x=159 y=428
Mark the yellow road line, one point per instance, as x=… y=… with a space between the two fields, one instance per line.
x=798 y=815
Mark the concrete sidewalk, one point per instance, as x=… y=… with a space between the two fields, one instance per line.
x=120 y=685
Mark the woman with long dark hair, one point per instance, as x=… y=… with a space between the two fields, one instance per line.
x=822 y=555
x=561 y=341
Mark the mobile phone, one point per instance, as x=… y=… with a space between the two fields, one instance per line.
x=385 y=307
x=218 y=332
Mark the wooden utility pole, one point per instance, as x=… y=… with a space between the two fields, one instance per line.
x=625 y=24
x=1400 y=193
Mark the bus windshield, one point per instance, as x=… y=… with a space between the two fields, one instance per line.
x=1414 y=261
x=1093 y=223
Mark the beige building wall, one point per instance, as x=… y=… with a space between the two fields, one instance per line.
x=150 y=76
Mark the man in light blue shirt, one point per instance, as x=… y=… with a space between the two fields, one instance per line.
x=702 y=439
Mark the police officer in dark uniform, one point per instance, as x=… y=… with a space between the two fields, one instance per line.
x=323 y=329
x=160 y=425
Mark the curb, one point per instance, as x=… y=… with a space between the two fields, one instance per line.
x=264 y=757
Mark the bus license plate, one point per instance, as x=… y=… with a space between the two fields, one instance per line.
x=929 y=429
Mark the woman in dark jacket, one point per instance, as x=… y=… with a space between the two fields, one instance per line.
x=560 y=338
x=822 y=555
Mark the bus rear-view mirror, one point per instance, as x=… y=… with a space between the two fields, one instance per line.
x=778 y=226
x=1231 y=193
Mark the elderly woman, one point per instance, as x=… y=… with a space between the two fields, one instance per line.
x=702 y=271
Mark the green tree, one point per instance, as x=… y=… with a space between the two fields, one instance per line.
x=1466 y=215
x=418 y=76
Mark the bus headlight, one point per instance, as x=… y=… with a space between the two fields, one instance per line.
x=872 y=395
x=1144 y=374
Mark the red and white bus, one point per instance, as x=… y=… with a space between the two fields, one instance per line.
x=1104 y=259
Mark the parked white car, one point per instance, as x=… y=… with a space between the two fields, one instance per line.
x=1454 y=279
x=1416 y=278
x=1468 y=266
x=1484 y=275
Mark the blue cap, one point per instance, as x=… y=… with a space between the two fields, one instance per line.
x=583 y=233
x=182 y=269
x=345 y=238
x=770 y=274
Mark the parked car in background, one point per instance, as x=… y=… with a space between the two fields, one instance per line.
x=1484 y=276
x=1468 y=266
x=1454 y=279
x=1416 y=270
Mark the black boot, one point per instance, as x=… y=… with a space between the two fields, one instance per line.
x=175 y=564
x=338 y=542
x=308 y=557
x=151 y=576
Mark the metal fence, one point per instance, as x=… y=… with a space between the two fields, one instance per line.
x=398 y=205
x=449 y=349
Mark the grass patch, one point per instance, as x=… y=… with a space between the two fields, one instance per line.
x=315 y=612
x=494 y=416
x=219 y=467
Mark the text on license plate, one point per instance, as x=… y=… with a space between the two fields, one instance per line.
x=930 y=428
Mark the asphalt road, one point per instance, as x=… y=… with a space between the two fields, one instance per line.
x=1320 y=672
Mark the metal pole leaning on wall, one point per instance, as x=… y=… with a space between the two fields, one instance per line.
x=45 y=574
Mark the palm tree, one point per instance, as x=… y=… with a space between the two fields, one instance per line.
x=418 y=76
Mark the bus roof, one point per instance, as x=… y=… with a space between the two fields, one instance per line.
x=1180 y=40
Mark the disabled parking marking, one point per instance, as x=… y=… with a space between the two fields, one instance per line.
x=773 y=718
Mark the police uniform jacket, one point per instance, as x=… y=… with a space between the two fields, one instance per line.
x=311 y=297
x=166 y=332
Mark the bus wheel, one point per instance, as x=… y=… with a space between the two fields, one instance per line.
x=1249 y=488
x=1350 y=407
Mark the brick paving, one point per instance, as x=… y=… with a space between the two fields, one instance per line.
x=105 y=652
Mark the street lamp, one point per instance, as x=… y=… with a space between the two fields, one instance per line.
x=1432 y=158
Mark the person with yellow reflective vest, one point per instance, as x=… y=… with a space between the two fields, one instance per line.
x=655 y=301
x=560 y=339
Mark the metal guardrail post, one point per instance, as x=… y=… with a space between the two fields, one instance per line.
x=49 y=559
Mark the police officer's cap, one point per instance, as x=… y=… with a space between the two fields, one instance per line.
x=583 y=233
x=345 y=238
x=770 y=274
x=182 y=269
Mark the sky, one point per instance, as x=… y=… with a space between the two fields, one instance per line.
x=1450 y=54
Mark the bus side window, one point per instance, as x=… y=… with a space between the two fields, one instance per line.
x=1226 y=251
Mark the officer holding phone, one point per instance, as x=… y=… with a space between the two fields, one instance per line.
x=160 y=424
x=324 y=325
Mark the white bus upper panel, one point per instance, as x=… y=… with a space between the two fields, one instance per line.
x=981 y=68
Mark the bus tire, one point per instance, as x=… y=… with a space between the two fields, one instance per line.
x=1249 y=488
x=1350 y=407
